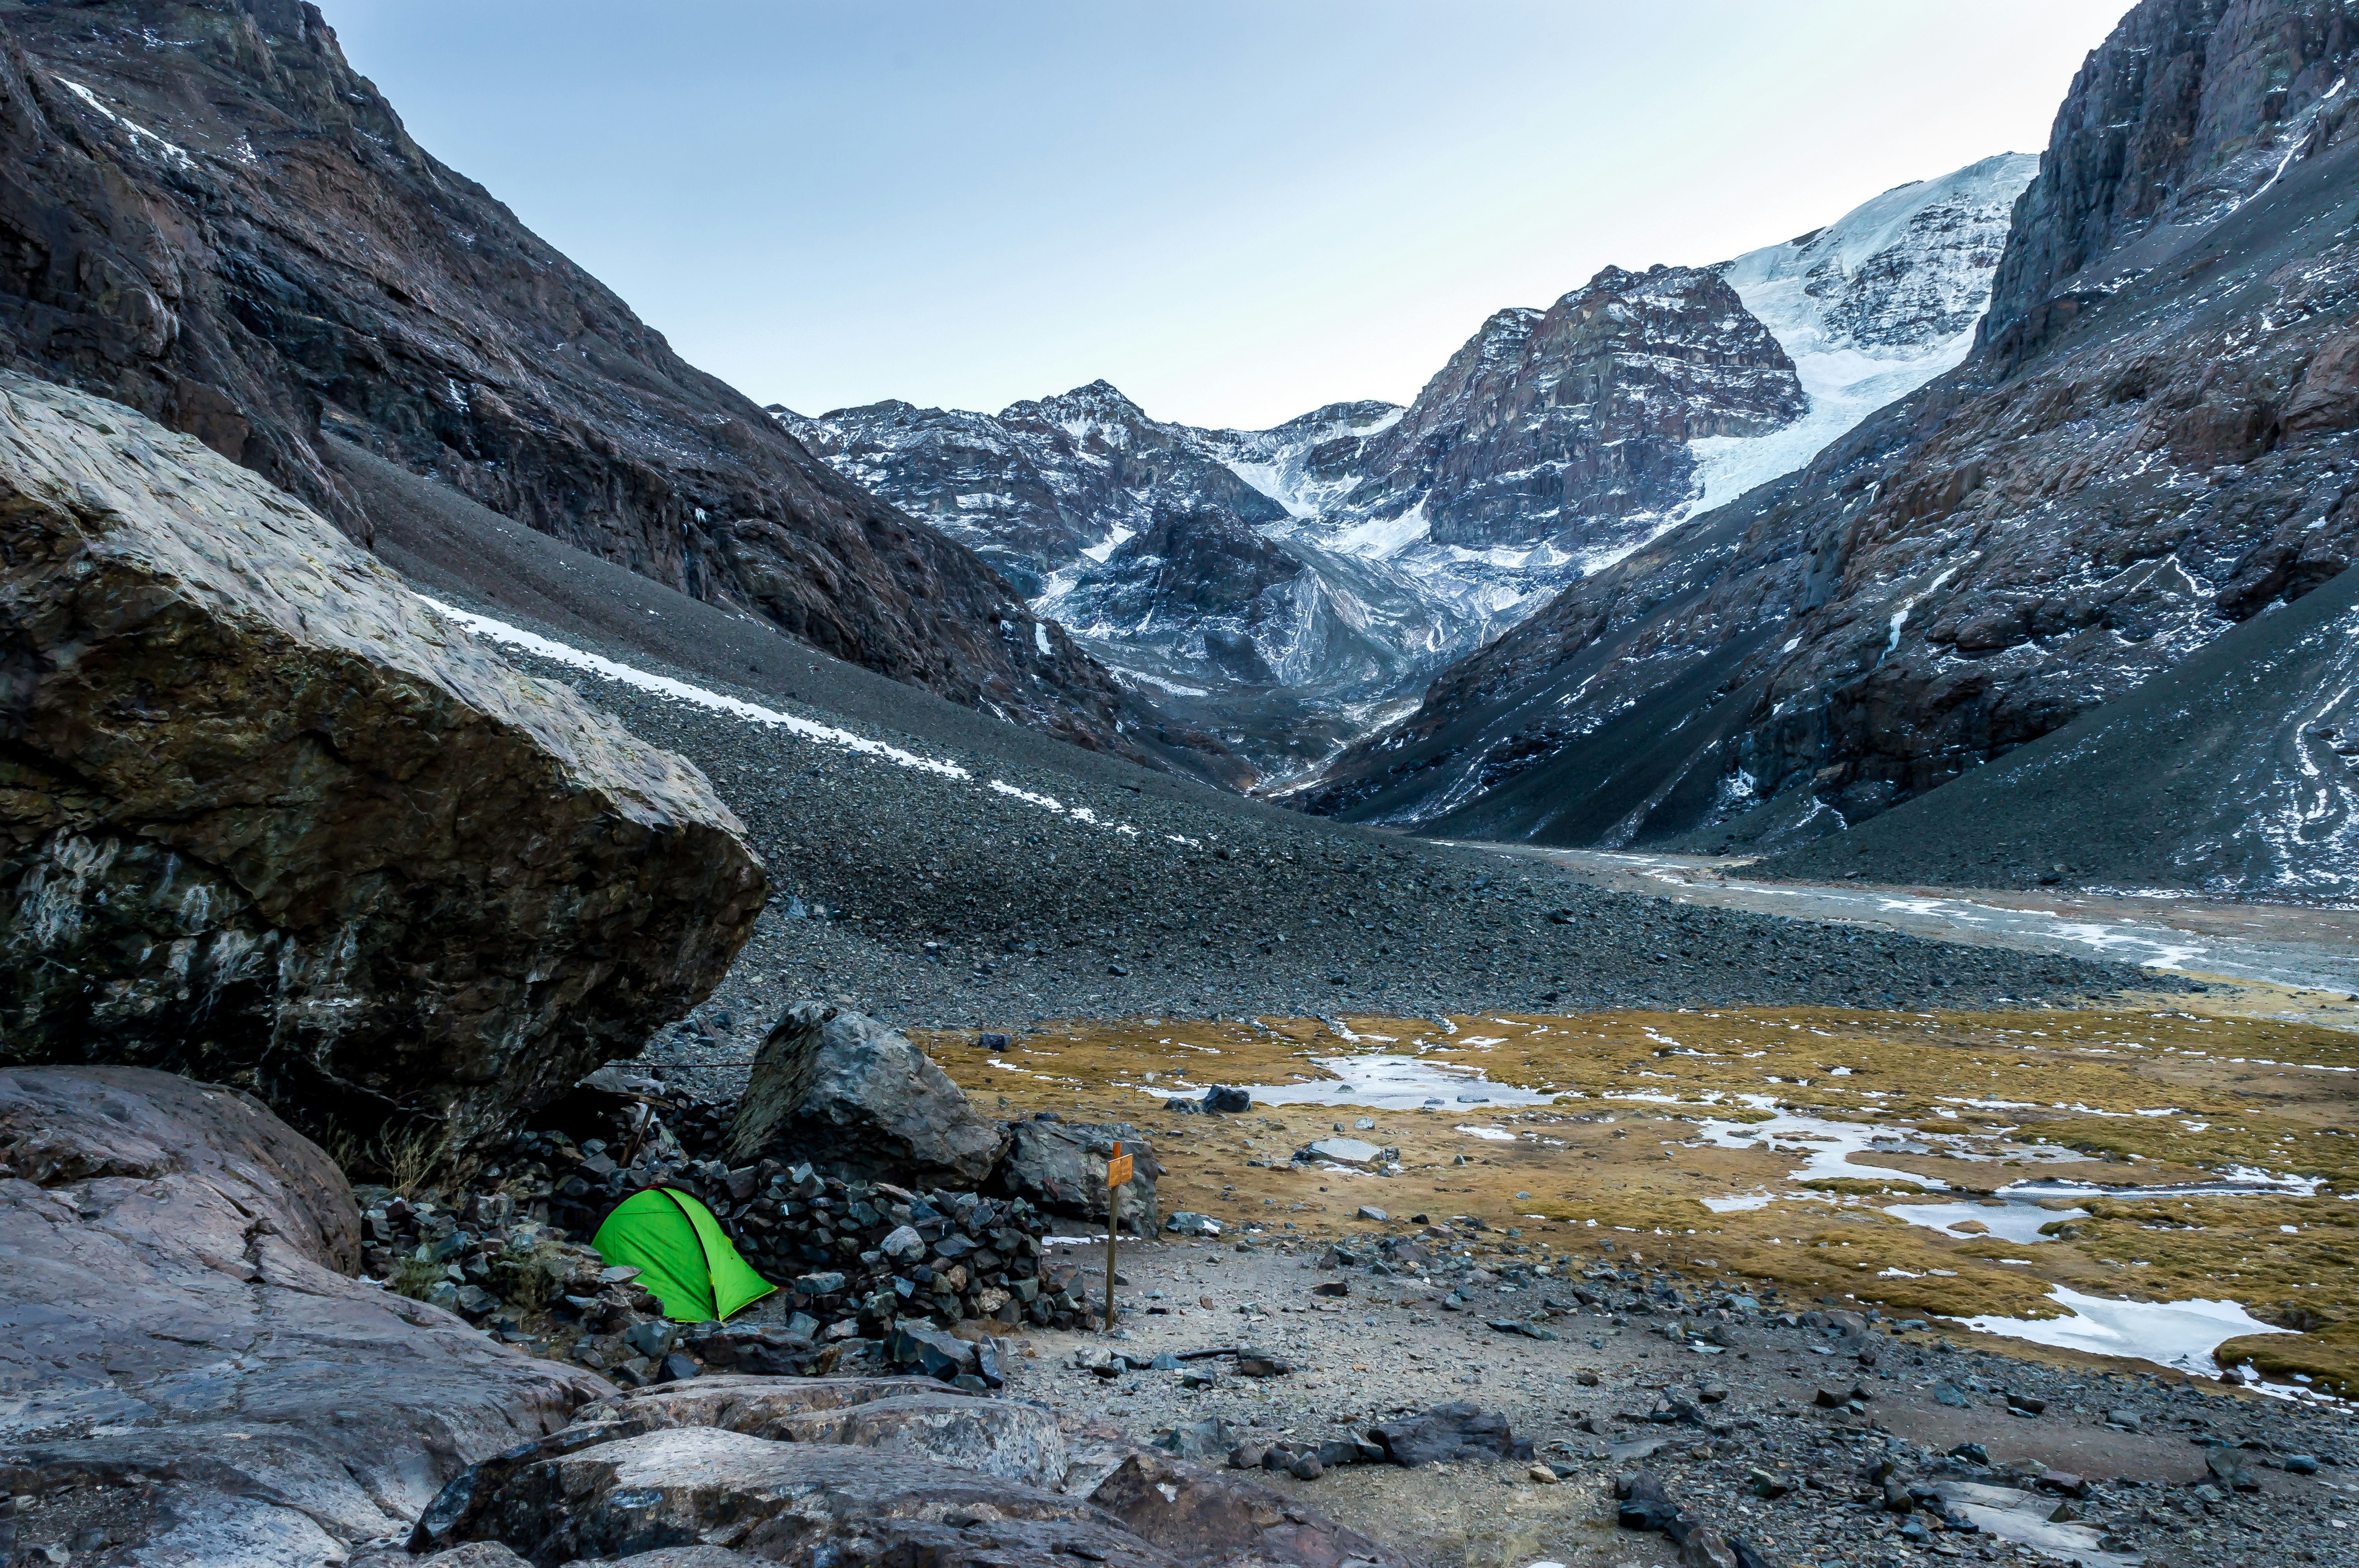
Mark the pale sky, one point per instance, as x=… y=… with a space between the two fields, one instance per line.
x=1235 y=210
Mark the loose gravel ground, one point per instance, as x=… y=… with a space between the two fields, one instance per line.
x=929 y=899
x=1392 y=1346
x=1168 y=898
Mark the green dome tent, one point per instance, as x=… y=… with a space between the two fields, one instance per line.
x=682 y=1256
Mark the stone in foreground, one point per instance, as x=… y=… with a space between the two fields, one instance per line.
x=1450 y=1432
x=186 y=1365
x=790 y=1502
x=266 y=816
x=1204 y=1516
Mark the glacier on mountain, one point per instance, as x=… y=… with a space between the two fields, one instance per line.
x=1288 y=588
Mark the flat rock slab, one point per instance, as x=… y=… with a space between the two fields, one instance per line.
x=996 y=1437
x=185 y=1367
x=1347 y=1150
x=797 y=1503
x=1203 y=1515
x=908 y=1415
x=1455 y=1431
x=746 y=1404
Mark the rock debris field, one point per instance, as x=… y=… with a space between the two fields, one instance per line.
x=999 y=878
x=1777 y=1422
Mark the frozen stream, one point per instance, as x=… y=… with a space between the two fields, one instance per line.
x=2293 y=948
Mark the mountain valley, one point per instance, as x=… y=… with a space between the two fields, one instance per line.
x=1385 y=543
x=1725 y=940
x=2147 y=448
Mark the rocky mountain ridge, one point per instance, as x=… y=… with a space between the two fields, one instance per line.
x=214 y=219
x=1570 y=425
x=2118 y=476
x=1386 y=540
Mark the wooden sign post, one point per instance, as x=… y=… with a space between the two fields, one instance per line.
x=1118 y=1167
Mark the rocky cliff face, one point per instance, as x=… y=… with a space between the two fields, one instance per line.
x=265 y=817
x=209 y=217
x=2118 y=478
x=2190 y=110
x=1165 y=549
x=1571 y=425
x=1042 y=485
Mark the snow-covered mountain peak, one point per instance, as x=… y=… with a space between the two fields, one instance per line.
x=1909 y=269
x=1872 y=307
x=1287 y=587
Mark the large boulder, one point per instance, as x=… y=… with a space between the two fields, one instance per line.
x=1060 y=1166
x=841 y=1091
x=800 y=1503
x=266 y=816
x=186 y=1369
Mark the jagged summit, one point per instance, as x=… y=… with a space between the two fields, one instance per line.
x=1554 y=441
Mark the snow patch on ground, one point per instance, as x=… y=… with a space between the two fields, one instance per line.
x=516 y=637
x=2170 y=1334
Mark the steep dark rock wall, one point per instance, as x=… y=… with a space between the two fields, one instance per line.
x=207 y=214
x=1582 y=410
x=2237 y=770
x=2117 y=479
x=2169 y=126
x=1202 y=563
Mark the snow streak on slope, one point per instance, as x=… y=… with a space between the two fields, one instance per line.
x=802 y=729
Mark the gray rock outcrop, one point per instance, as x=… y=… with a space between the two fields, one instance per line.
x=185 y=1367
x=792 y=1502
x=846 y=1093
x=1060 y=1166
x=265 y=817
x=758 y=1466
x=912 y=1416
x=1573 y=422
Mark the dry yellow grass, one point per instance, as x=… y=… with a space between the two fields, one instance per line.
x=2130 y=1097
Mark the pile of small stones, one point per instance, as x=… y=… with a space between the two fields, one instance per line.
x=853 y=1260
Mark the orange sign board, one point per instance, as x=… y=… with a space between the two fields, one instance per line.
x=1117 y=1170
